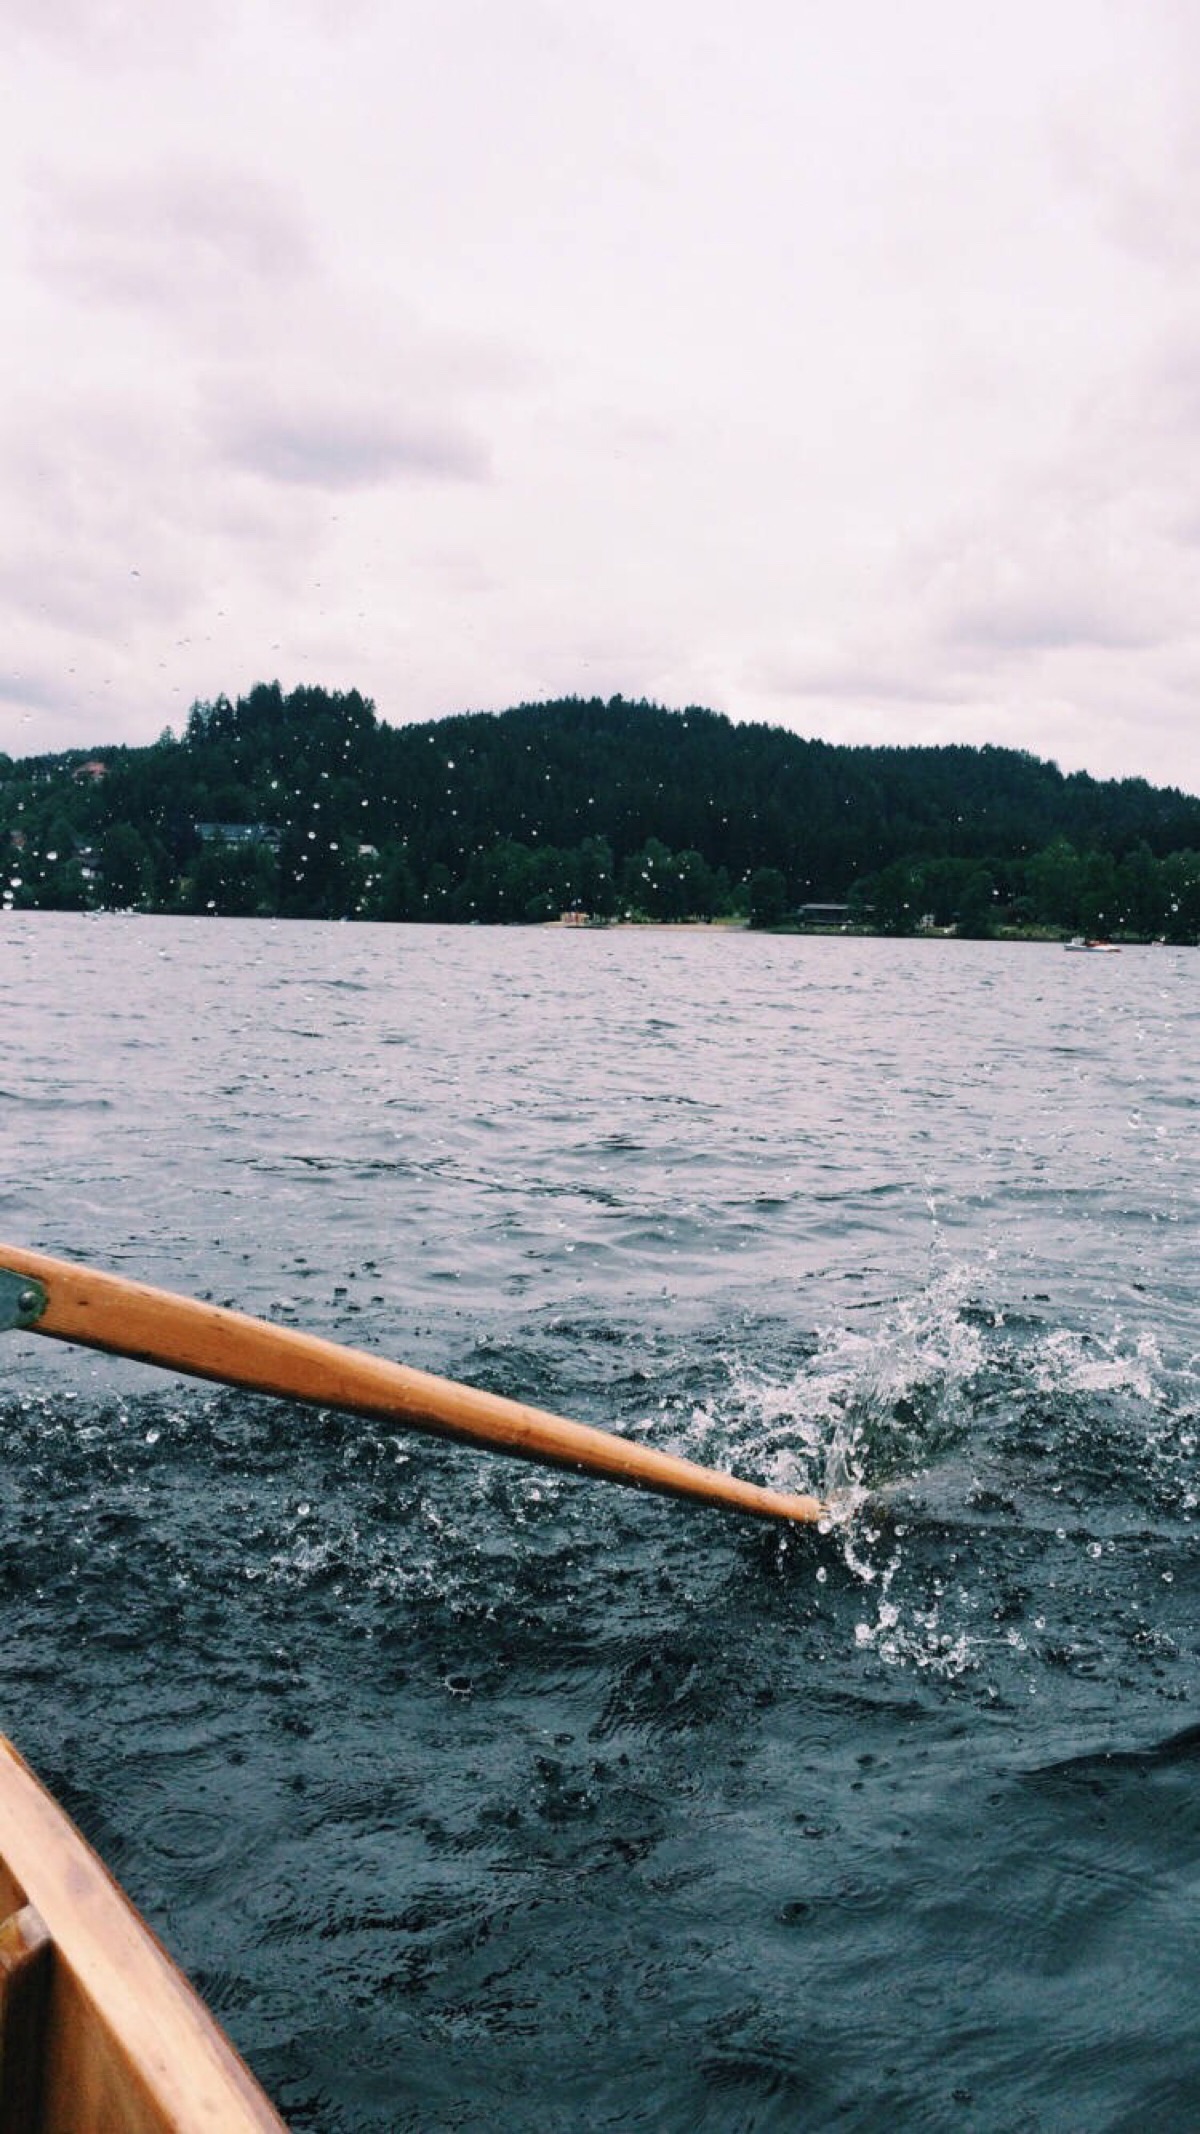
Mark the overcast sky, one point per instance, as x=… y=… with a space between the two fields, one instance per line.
x=829 y=362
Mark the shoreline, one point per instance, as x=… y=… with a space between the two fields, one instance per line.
x=1047 y=937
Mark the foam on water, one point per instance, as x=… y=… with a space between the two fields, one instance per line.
x=931 y=1404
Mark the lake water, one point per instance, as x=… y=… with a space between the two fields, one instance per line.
x=471 y=1794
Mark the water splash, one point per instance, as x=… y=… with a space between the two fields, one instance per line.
x=872 y=1403
x=949 y=1409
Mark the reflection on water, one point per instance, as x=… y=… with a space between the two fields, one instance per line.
x=452 y=1781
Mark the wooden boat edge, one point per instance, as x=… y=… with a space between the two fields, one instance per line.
x=124 y=2032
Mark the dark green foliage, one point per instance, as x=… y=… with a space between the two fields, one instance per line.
x=126 y=865
x=896 y=900
x=768 y=897
x=1181 y=896
x=234 y=881
x=976 y=919
x=605 y=808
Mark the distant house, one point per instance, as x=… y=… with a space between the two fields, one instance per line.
x=238 y=833
x=93 y=770
x=822 y=914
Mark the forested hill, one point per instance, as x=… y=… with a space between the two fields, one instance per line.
x=308 y=805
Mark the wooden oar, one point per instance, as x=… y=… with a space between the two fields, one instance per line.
x=104 y=1311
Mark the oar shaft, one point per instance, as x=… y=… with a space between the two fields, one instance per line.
x=104 y=1311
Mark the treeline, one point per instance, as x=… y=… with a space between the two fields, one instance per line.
x=307 y=805
x=1059 y=888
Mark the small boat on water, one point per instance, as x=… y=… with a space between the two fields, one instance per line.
x=99 y=2032
x=1092 y=948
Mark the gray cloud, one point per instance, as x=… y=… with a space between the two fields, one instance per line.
x=69 y=591
x=856 y=681
x=325 y=446
x=167 y=238
x=117 y=33
x=1032 y=622
x=1128 y=149
x=25 y=688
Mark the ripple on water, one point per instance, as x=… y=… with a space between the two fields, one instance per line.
x=602 y=1810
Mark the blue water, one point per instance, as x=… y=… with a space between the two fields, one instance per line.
x=471 y=1794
